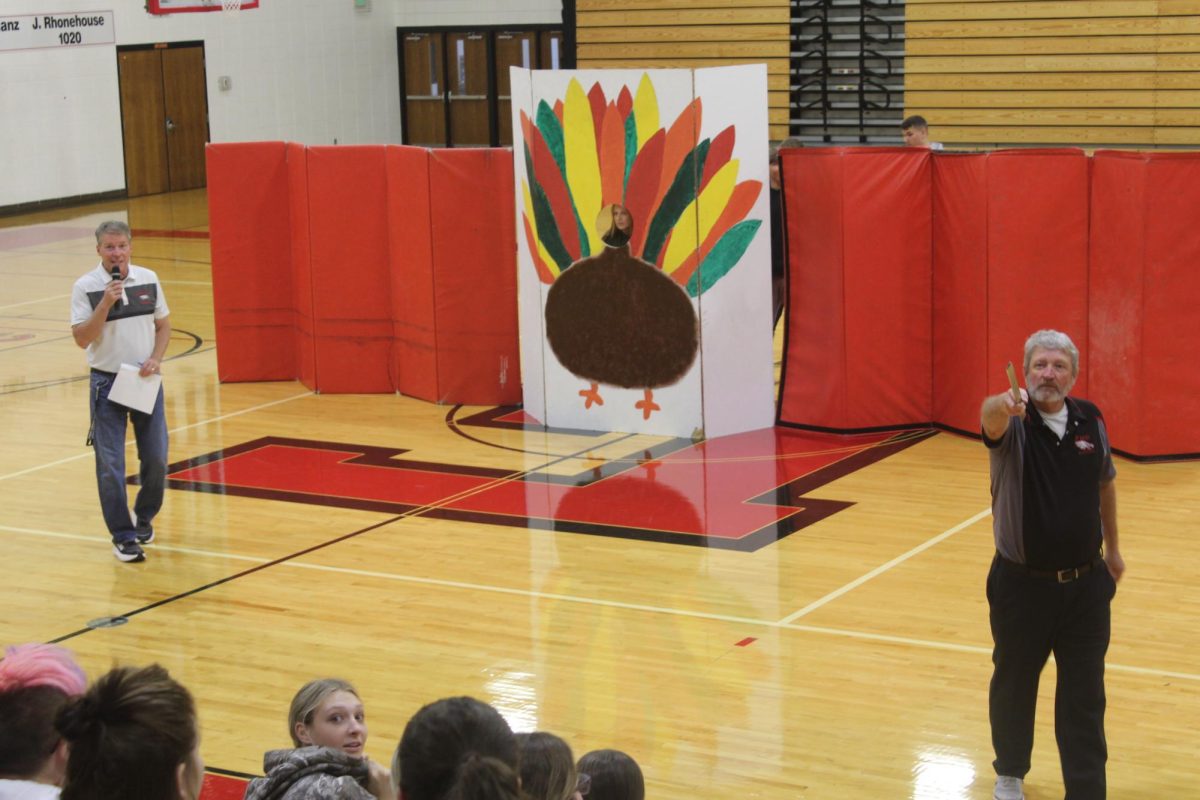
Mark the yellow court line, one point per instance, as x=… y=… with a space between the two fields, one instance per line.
x=900 y=559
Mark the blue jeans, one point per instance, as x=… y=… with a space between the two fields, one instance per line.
x=108 y=440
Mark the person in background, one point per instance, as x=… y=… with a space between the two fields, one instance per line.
x=132 y=734
x=328 y=727
x=916 y=133
x=36 y=681
x=613 y=775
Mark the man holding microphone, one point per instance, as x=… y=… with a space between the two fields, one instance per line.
x=119 y=314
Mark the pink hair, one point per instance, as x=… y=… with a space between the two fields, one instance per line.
x=28 y=665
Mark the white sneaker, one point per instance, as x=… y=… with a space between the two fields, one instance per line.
x=1008 y=788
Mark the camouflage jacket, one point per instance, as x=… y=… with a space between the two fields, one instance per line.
x=310 y=773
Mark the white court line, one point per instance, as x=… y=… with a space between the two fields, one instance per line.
x=88 y=454
x=900 y=559
x=906 y=641
x=31 y=302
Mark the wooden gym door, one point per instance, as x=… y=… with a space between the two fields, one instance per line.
x=164 y=117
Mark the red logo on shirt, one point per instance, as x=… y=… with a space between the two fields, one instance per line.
x=1084 y=443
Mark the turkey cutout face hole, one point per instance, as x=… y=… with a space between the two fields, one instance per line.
x=614 y=223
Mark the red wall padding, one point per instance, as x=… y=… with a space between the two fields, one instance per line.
x=1037 y=252
x=471 y=201
x=960 y=253
x=410 y=242
x=814 y=376
x=351 y=273
x=1104 y=249
x=859 y=337
x=301 y=266
x=1117 y=276
x=367 y=269
x=249 y=232
x=1145 y=248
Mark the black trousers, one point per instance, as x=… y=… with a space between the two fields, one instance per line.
x=1031 y=618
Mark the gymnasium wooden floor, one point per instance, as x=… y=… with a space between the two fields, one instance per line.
x=846 y=659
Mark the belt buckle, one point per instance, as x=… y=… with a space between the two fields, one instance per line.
x=1066 y=575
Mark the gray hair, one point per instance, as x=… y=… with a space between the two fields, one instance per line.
x=309 y=699
x=114 y=226
x=1049 y=339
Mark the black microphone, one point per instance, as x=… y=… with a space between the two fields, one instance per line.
x=116 y=276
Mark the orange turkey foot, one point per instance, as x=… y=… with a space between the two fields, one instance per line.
x=591 y=395
x=648 y=406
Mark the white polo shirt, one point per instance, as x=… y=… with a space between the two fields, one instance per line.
x=128 y=335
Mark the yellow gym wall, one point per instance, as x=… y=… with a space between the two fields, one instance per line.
x=984 y=72
x=1081 y=72
x=690 y=33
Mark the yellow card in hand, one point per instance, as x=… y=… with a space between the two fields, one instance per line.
x=1012 y=383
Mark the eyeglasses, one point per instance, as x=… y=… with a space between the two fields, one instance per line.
x=584 y=784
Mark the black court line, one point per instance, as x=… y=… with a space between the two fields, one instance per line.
x=488 y=419
x=416 y=512
x=235 y=576
x=230 y=773
x=195 y=349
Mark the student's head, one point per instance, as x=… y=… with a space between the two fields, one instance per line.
x=133 y=733
x=547 y=767
x=457 y=748
x=613 y=776
x=36 y=681
x=328 y=713
x=916 y=131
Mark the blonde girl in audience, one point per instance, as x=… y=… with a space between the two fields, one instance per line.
x=329 y=730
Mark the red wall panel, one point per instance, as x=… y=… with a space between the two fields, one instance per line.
x=351 y=277
x=301 y=266
x=1116 y=277
x=411 y=246
x=813 y=383
x=887 y=241
x=960 y=323
x=1170 y=385
x=1037 y=254
x=858 y=338
x=475 y=275
x=249 y=234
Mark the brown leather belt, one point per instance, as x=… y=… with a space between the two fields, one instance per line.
x=1059 y=575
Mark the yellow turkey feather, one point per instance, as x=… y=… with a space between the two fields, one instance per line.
x=583 y=162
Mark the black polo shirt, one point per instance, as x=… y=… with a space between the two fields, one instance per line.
x=1046 y=490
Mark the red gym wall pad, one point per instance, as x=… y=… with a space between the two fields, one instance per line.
x=248 y=223
x=329 y=268
x=1102 y=248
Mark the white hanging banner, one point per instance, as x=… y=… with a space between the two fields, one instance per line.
x=68 y=29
